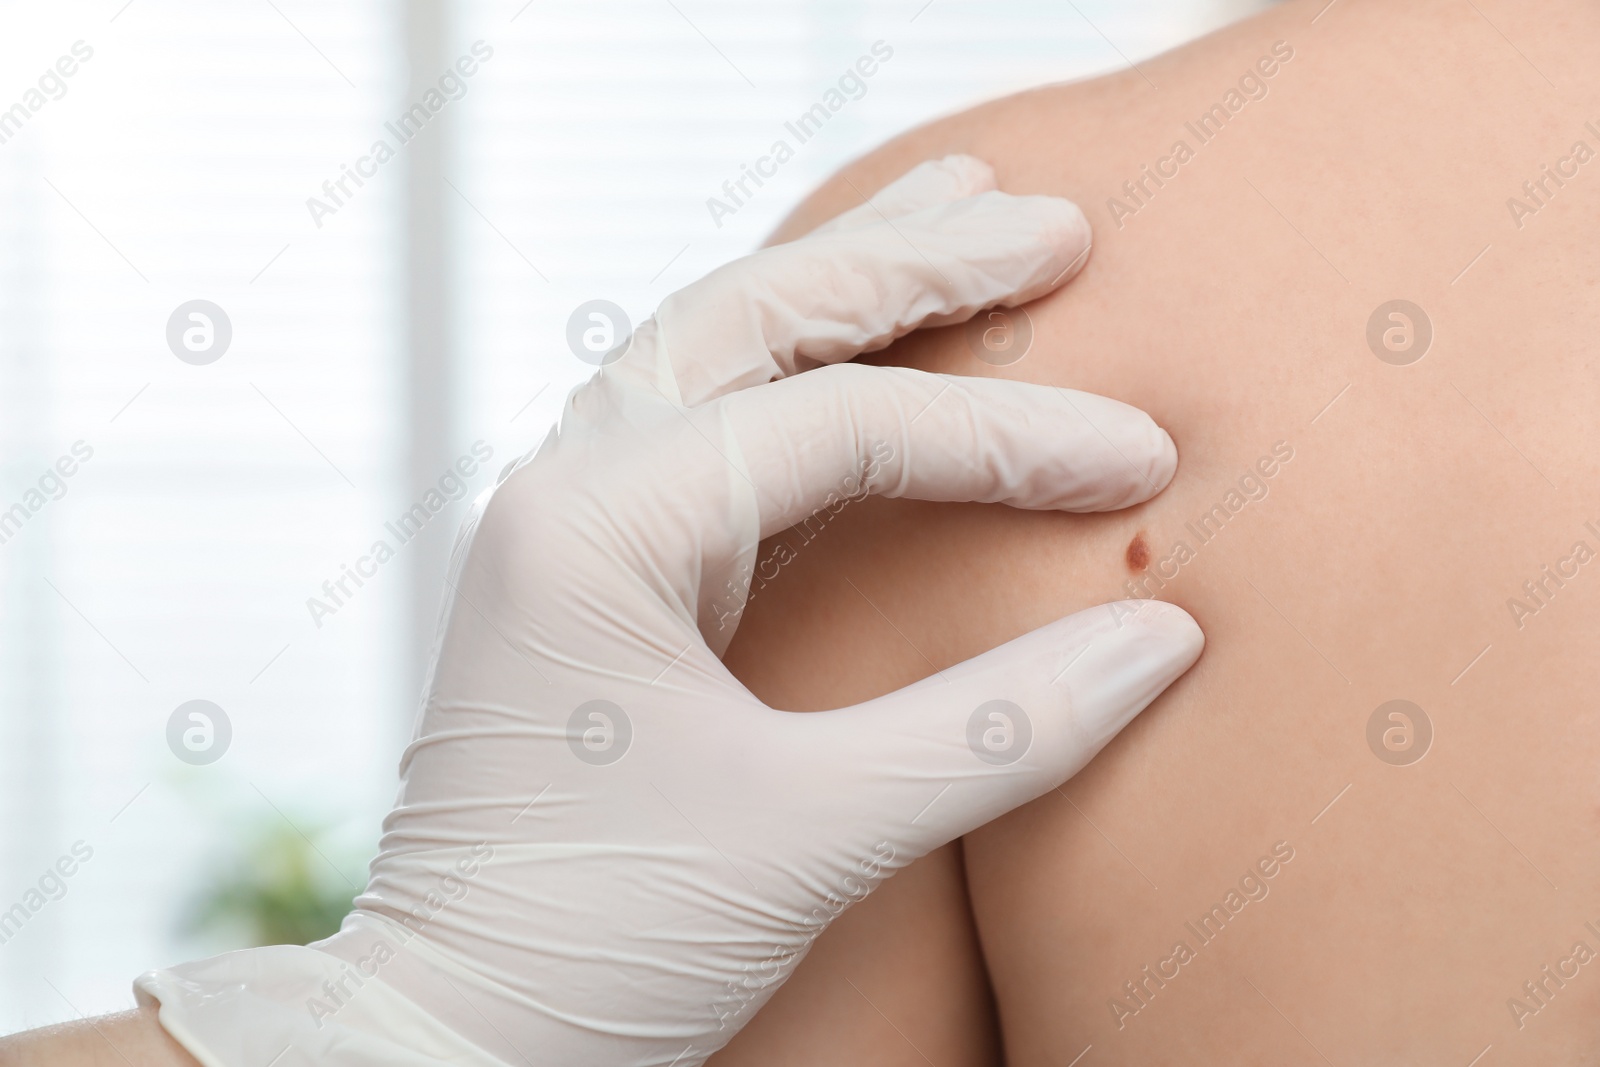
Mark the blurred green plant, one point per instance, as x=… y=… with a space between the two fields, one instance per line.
x=279 y=889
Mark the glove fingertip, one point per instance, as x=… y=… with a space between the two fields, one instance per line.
x=1137 y=458
x=1066 y=229
x=1128 y=659
x=1163 y=462
x=969 y=174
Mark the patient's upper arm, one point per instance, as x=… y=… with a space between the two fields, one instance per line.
x=1350 y=529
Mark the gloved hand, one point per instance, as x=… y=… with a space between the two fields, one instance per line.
x=605 y=849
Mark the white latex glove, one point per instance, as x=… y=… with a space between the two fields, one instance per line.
x=605 y=849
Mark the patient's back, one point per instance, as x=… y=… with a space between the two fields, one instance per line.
x=1375 y=346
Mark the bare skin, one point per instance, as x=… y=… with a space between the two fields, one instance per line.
x=1430 y=912
x=127 y=1039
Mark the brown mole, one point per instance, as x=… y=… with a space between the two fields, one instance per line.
x=1138 y=553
